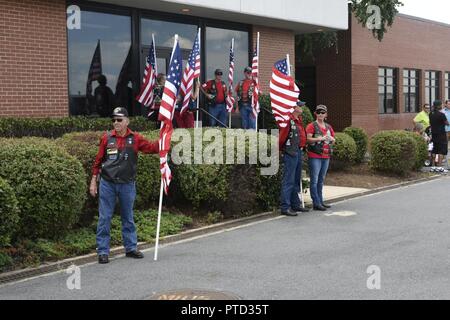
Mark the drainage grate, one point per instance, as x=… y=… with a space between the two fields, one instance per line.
x=190 y=294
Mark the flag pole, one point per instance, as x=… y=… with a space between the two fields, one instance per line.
x=161 y=193
x=257 y=52
x=199 y=83
x=300 y=195
x=154 y=53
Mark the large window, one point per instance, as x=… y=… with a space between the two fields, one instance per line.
x=103 y=42
x=387 y=90
x=410 y=90
x=217 y=47
x=431 y=86
x=164 y=37
x=447 y=86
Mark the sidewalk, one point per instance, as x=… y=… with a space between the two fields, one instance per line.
x=333 y=192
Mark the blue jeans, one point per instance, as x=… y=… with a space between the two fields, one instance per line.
x=108 y=193
x=247 y=116
x=317 y=170
x=218 y=111
x=290 y=185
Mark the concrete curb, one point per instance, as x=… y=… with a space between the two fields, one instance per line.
x=24 y=274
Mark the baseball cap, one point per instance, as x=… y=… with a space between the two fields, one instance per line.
x=248 y=69
x=301 y=103
x=120 y=112
x=321 y=107
x=218 y=71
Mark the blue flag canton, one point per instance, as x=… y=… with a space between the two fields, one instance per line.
x=175 y=68
x=194 y=53
x=282 y=66
x=231 y=54
x=151 y=56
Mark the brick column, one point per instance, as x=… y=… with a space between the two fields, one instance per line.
x=274 y=45
x=33 y=58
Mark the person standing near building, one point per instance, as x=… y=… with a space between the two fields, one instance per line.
x=158 y=90
x=292 y=141
x=320 y=139
x=423 y=117
x=447 y=114
x=438 y=121
x=116 y=163
x=215 y=92
x=244 y=91
x=104 y=98
x=186 y=120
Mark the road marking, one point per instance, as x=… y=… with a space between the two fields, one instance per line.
x=341 y=214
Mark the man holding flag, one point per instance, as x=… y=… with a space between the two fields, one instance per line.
x=292 y=139
x=245 y=90
x=116 y=163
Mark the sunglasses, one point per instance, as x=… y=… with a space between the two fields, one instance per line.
x=321 y=112
x=118 y=120
x=219 y=74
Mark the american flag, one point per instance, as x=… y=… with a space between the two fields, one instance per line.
x=146 y=96
x=230 y=99
x=95 y=70
x=255 y=74
x=283 y=93
x=191 y=73
x=166 y=112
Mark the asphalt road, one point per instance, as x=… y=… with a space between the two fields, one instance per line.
x=404 y=232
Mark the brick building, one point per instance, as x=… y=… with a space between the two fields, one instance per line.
x=46 y=46
x=381 y=85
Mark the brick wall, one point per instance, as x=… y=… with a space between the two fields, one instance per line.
x=33 y=58
x=410 y=43
x=274 y=45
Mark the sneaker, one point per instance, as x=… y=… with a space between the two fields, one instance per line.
x=135 y=255
x=300 y=210
x=289 y=213
x=103 y=259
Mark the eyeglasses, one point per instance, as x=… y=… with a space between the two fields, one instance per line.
x=322 y=112
x=118 y=120
x=219 y=74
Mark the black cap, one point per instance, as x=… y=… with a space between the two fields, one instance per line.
x=120 y=112
x=248 y=69
x=218 y=71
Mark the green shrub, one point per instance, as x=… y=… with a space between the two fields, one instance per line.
x=56 y=127
x=421 y=150
x=361 y=140
x=393 y=151
x=5 y=261
x=49 y=184
x=344 y=154
x=84 y=146
x=9 y=213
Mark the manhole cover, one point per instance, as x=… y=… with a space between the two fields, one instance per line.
x=188 y=294
x=341 y=214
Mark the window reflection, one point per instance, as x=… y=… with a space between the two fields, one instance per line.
x=218 y=43
x=112 y=34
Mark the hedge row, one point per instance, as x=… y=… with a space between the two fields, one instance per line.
x=56 y=127
x=398 y=151
x=49 y=185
